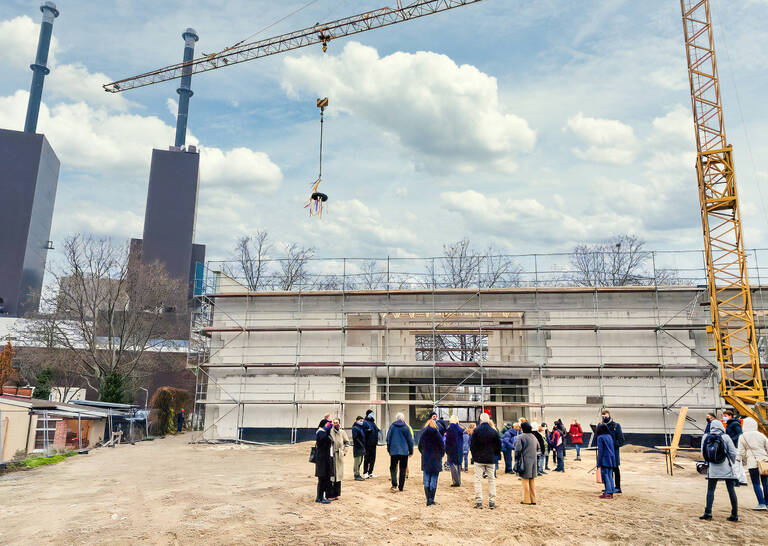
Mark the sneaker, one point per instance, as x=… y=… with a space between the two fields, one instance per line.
x=323 y=501
x=479 y=505
x=333 y=498
x=365 y=476
x=577 y=459
x=372 y=476
x=606 y=496
x=706 y=517
x=733 y=518
x=359 y=479
x=393 y=489
x=760 y=507
x=492 y=505
x=617 y=491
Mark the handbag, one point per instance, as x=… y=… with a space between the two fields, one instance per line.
x=519 y=467
x=313 y=454
x=598 y=476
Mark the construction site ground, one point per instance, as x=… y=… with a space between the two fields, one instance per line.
x=169 y=491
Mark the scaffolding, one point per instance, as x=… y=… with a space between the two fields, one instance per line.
x=416 y=346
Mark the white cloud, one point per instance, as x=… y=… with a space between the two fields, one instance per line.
x=678 y=122
x=448 y=116
x=529 y=221
x=239 y=169
x=18 y=43
x=74 y=81
x=607 y=140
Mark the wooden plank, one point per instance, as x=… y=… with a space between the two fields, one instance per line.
x=672 y=449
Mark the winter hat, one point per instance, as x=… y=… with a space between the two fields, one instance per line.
x=432 y=414
x=454 y=419
x=526 y=426
x=484 y=418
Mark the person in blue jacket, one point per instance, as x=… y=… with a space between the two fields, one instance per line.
x=507 y=445
x=454 y=448
x=399 y=447
x=432 y=450
x=371 y=441
x=466 y=448
x=606 y=459
x=618 y=440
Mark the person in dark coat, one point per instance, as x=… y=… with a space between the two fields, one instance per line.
x=432 y=450
x=558 y=446
x=710 y=417
x=454 y=448
x=371 y=441
x=538 y=433
x=399 y=447
x=526 y=453
x=732 y=427
x=618 y=440
x=606 y=459
x=358 y=446
x=465 y=448
x=485 y=446
x=323 y=461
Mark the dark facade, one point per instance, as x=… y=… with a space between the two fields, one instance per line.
x=29 y=174
x=169 y=222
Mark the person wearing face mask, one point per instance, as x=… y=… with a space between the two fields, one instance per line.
x=617 y=434
x=323 y=460
x=710 y=417
x=576 y=434
x=753 y=450
x=358 y=446
x=340 y=442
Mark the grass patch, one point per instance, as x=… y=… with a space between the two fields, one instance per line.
x=41 y=461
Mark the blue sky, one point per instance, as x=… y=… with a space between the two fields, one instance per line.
x=532 y=126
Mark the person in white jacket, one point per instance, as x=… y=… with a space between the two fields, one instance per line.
x=753 y=447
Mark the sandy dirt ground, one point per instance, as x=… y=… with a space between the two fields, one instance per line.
x=172 y=492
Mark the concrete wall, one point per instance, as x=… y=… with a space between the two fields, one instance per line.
x=17 y=426
x=29 y=174
x=580 y=350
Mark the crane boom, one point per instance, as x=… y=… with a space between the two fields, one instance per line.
x=730 y=299
x=316 y=34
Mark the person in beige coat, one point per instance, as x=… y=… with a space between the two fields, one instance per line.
x=339 y=449
x=753 y=447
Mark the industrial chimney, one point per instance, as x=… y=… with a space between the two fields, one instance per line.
x=185 y=91
x=40 y=68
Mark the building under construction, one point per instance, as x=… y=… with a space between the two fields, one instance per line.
x=272 y=363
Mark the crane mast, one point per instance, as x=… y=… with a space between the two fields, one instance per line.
x=730 y=299
x=316 y=34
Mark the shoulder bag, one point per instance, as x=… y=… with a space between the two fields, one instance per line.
x=313 y=454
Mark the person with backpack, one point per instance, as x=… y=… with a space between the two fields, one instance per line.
x=753 y=450
x=718 y=450
x=618 y=440
x=576 y=434
x=606 y=459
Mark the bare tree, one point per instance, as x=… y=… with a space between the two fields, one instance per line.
x=43 y=350
x=461 y=266
x=293 y=267
x=251 y=259
x=619 y=261
x=370 y=277
x=110 y=314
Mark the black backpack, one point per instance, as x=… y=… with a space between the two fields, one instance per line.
x=714 y=449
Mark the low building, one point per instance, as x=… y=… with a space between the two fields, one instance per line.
x=28 y=425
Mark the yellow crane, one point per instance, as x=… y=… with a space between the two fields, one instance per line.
x=730 y=298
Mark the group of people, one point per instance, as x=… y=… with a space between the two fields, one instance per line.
x=449 y=445
x=730 y=447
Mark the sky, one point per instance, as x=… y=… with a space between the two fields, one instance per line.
x=529 y=126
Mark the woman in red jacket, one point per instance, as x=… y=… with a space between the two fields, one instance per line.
x=576 y=435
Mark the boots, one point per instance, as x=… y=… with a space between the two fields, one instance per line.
x=426 y=494
x=432 y=496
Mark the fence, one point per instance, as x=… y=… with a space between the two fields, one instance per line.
x=644 y=268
